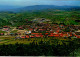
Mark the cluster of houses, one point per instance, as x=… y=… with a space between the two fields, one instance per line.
x=6 y=28
x=41 y=30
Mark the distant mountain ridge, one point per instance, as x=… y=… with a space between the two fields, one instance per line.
x=42 y=7
x=7 y=8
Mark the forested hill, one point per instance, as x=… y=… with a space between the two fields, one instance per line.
x=7 y=7
x=51 y=12
x=56 y=16
x=39 y=7
x=42 y=7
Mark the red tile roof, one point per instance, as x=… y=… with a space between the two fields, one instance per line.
x=51 y=35
x=78 y=36
x=6 y=27
x=32 y=36
x=57 y=31
x=57 y=35
x=46 y=33
x=2 y=33
x=23 y=37
x=37 y=35
x=27 y=36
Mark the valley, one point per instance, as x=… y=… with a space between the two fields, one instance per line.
x=52 y=29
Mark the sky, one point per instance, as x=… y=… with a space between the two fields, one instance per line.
x=39 y=2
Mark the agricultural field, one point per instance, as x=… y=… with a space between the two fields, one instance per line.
x=12 y=40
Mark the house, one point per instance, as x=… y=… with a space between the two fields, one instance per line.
x=6 y=28
x=51 y=31
x=23 y=37
x=78 y=36
x=20 y=28
x=70 y=34
x=61 y=26
x=28 y=32
x=58 y=31
x=32 y=36
x=61 y=34
x=31 y=29
x=75 y=35
x=51 y=35
x=46 y=33
x=2 y=34
x=37 y=35
x=56 y=35
x=41 y=36
x=65 y=35
x=27 y=36
x=18 y=33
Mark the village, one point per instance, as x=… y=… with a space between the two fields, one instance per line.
x=41 y=30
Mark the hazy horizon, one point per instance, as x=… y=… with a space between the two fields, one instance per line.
x=22 y=3
x=12 y=4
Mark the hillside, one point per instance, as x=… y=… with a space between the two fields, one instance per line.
x=40 y=31
x=56 y=16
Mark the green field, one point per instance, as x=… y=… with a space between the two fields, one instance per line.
x=52 y=40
